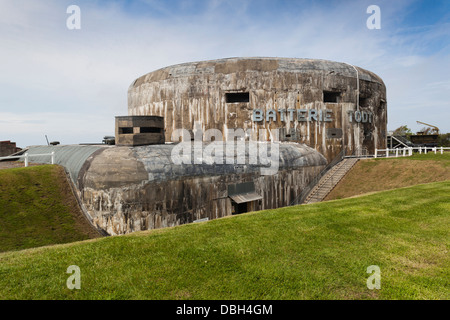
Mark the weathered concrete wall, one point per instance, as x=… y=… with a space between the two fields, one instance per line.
x=139 y=130
x=196 y=92
x=131 y=189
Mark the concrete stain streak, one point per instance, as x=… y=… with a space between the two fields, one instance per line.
x=195 y=92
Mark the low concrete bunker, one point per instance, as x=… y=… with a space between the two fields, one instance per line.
x=131 y=189
x=139 y=130
x=127 y=189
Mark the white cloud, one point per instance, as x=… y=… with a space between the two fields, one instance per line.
x=80 y=78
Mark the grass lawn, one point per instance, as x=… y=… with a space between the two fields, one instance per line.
x=37 y=209
x=318 y=251
x=445 y=157
x=371 y=175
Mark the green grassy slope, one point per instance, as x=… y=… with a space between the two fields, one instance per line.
x=37 y=208
x=371 y=175
x=318 y=251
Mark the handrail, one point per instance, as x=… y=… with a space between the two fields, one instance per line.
x=301 y=197
x=315 y=193
x=404 y=151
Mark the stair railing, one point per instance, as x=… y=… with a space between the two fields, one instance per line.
x=302 y=196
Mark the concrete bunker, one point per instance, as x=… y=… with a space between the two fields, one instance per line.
x=144 y=189
x=139 y=130
x=125 y=189
x=225 y=94
x=310 y=111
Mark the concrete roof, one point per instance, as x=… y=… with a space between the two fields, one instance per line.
x=71 y=157
x=155 y=162
x=261 y=64
x=159 y=165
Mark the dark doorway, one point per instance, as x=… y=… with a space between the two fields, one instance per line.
x=240 y=208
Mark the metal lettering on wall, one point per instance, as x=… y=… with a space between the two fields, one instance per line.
x=304 y=115
x=360 y=116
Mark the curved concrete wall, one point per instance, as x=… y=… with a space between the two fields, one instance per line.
x=196 y=92
x=129 y=189
x=71 y=157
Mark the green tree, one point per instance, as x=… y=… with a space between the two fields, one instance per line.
x=444 y=140
x=403 y=131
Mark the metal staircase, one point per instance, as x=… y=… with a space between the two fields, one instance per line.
x=396 y=141
x=330 y=180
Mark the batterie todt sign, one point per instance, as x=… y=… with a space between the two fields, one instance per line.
x=308 y=115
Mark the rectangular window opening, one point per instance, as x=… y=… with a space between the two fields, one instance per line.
x=363 y=102
x=331 y=96
x=150 y=130
x=334 y=133
x=126 y=130
x=237 y=97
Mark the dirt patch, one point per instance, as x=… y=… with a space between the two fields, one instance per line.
x=372 y=175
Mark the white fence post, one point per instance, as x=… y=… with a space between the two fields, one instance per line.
x=387 y=153
x=396 y=152
x=376 y=151
x=26 y=157
x=442 y=150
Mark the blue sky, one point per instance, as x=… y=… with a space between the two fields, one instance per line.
x=69 y=84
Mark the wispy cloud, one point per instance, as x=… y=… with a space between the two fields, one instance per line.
x=73 y=82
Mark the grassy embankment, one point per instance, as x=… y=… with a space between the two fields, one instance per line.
x=390 y=173
x=37 y=208
x=318 y=251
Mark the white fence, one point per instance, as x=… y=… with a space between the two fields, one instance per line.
x=406 y=152
x=26 y=157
